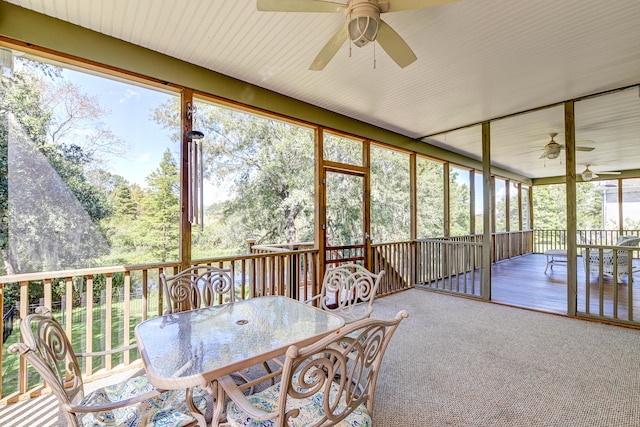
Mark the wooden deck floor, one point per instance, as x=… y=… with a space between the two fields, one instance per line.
x=522 y=282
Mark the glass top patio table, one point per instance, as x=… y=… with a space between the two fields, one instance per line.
x=196 y=347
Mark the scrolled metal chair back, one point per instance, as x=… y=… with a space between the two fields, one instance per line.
x=46 y=346
x=340 y=371
x=350 y=289
x=196 y=287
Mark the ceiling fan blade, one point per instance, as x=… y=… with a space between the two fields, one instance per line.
x=299 y=6
x=610 y=173
x=398 y=5
x=394 y=45
x=330 y=49
x=578 y=148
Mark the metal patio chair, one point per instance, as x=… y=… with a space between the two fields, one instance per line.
x=201 y=285
x=134 y=402
x=348 y=290
x=329 y=382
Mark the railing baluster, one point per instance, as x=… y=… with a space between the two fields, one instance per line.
x=24 y=311
x=108 y=319
x=89 y=331
x=127 y=317
x=145 y=294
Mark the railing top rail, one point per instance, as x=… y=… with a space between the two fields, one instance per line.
x=450 y=242
x=587 y=246
x=251 y=256
x=405 y=242
x=284 y=247
x=27 y=277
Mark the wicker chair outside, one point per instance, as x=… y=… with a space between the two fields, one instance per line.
x=620 y=259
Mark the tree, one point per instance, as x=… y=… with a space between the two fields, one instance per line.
x=430 y=194
x=459 y=203
x=50 y=219
x=390 y=195
x=161 y=210
x=265 y=165
x=52 y=211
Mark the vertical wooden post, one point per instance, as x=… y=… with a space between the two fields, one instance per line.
x=570 y=166
x=185 y=185
x=488 y=210
x=320 y=208
x=520 y=210
x=492 y=202
x=472 y=202
x=413 y=207
x=620 y=204
x=520 y=228
x=447 y=198
x=366 y=162
x=530 y=225
x=507 y=205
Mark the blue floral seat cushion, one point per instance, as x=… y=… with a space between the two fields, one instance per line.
x=169 y=409
x=311 y=410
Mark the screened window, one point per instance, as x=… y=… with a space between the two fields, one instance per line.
x=631 y=204
x=514 y=207
x=500 y=195
x=258 y=181
x=92 y=176
x=526 y=212
x=430 y=196
x=588 y=206
x=610 y=207
x=459 y=201
x=340 y=149
x=479 y=202
x=390 y=195
x=549 y=207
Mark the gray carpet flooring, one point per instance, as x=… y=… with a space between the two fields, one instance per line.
x=460 y=362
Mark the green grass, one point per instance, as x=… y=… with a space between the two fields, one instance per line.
x=10 y=363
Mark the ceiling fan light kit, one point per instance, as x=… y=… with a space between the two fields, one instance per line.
x=362 y=25
x=552 y=149
x=588 y=174
x=364 y=21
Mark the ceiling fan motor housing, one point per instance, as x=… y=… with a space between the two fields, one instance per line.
x=363 y=21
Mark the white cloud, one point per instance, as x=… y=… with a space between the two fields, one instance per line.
x=129 y=94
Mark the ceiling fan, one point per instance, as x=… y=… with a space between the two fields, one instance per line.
x=552 y=149
x=363 y=24
x=588 y=174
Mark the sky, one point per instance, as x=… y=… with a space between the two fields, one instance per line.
x=130 y=119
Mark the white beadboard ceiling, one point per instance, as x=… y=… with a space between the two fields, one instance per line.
x=477 y=60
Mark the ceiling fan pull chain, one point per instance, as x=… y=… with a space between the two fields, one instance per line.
x=374 y=55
